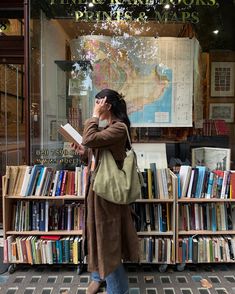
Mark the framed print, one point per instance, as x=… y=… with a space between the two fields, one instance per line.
x=222 y=79
x=223 y=111
x=150 y=152
x=213 y=158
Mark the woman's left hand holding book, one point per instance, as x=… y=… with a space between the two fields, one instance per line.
x=79 y=149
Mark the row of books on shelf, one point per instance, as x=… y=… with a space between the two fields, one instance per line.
x=43 y=250
x=158 y=183
x=39 y=180
x=153 y=217
x=207 y=216
x=215 y=127
x=159 y=250
x=205 y=249
x=199 y=182
x=45 y=216
x=193 y=182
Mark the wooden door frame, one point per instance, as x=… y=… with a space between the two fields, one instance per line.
x=16 y=50
x=27 y=81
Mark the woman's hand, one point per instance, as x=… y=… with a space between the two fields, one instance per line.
x=79 y=149
x=100 y=107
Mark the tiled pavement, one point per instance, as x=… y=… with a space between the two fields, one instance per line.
x=143 y=279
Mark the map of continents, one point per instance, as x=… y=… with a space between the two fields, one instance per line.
x=133 y=68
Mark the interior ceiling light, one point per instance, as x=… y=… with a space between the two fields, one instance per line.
x=167 y=6
x=215 y=32
x=90 y=4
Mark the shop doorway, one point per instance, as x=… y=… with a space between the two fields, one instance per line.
x=12 y=118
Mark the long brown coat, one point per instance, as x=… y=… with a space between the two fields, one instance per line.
x=109 y=230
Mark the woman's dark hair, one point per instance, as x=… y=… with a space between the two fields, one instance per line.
x=118 y=106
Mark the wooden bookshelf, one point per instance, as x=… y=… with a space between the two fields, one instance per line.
x=34 y=236
x=157 y=221
x=205 y=232
x=213 y=213
x=49 y=233
x=201 y=200
x=154 y=200
x=64 y=197
x=154 y=233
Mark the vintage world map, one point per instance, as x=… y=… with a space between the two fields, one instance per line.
x=154 y=74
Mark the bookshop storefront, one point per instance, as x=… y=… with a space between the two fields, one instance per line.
x=179 y=94
x=79 y=48
x=153 y=52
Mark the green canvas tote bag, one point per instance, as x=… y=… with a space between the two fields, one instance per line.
x=120 y=186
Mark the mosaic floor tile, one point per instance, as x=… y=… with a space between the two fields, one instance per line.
x=203 y=291
x=186 y=291
x=149 y=279
x=134 y=291
x=214 y=279
x=230 y=279
x=68 y=279
x=29 y=290
x=63 y=290
x=196 y=278
x=165 y=280
x=133 y=280
x=169 y=291
x=19 y=279
x=84 y=279
x=52 y=279
x=181 y=279
x=12 y=290
x=81 y=291
x=151 y=291
x=47 y=290
x=144 y=279
x=35 y=279
x=221 y=291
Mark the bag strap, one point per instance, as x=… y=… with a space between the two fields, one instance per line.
x=141 y=179
x=128 y=135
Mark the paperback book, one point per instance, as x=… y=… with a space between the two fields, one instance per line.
x=70 y=134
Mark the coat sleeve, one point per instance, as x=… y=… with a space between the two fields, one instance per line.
x=84 y=157
x=95 y=138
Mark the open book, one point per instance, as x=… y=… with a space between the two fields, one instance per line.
x=70 y=134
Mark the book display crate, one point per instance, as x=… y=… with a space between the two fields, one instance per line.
x=155 y=221
x=206 y=218
x=41 y=229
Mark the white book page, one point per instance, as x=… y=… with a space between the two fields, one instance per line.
x=73 y=133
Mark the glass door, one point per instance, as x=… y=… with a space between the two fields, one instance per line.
x=12 y=117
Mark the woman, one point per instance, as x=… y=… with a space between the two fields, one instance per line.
x=109 y=231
